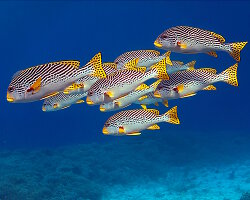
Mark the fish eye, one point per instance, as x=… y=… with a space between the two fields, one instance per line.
x=107 y=124
x=11 y=89
x=164 y=36
x=116 y=62
x=90 y=93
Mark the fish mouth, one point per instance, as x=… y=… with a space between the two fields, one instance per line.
x=89 y=102
x=43 y=109
x=157 y=44
x=102 y=109
x=9 y=98
x=105 y=131
x=157 y=94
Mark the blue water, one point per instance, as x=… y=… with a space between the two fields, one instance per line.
x=64 y=155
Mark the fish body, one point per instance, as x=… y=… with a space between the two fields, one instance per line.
x=190 y=40
x=127 y=100
x=151 y=99
x=46 y=80
x=62 y=101
x=179 y=66
x=83 y=84
x=186 y=83
x=122 y=82
x=131 y=122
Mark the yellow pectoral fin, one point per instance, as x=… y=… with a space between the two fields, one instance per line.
x=165 y=103
x=154 y=127
x=188 y=95
x=36 y=86
x=182 y=45
x=49 y=95
x=109 y=94
x=133 y=134
x=121 y=129
x=210 y=87
x=180 y=88
x=132 y=64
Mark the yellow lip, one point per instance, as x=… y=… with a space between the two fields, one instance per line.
x=157 y=94
x=43 y=108
x=9 y=98
x=157 y=44
x=89 y=101
x=105 y=131
x=102 y=109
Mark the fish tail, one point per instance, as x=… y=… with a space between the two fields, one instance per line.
x=171 y=116
x=230 y=75
x=95 y=65
x=235 y=49
x=160 y=70
x=191 y=65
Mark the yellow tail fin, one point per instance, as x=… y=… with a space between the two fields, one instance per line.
x=96 y=62
x=191 y=65
x=230 y=75
x=168 y=61
x=236 y=48
x=160 y=67
x=171 y=116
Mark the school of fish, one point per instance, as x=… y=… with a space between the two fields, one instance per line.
x=116 y=85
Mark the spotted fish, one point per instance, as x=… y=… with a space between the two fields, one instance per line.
x=122 y=82
x=186 y=83
x=62 y=101
x=122 y=102
x=180 y=66
x=147 y=58
x=190 y=40
x=46 y=80
x=83 y=84
x=131 y=122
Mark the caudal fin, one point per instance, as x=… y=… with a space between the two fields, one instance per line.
x=236 y=48
x=171 y=116
x=167 y=55
x=96 y=64
x=161 y=71
x=230 y=75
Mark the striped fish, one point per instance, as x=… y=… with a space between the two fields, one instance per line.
x=147 y=58
x=122 y=102
x=46 y=80
x=151 y=99
x=186 y=83
x=83 y=84
x=122 y=82
x=180 y=66
x=190 y=40
x=131 y=122
x=62 y=101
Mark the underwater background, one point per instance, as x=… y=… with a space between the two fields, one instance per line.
x=64 y=155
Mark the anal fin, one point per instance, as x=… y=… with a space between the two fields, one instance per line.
x=133 y=134
x=154 y=127
x=210 y=87
x=188 y=95
x=212 y=53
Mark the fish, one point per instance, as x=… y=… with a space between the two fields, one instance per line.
x=180 y=66
x=187 y=83
x=123 y=82
x=62 y=101
x=83 y=84
x=147 y=58
x=139 y=93
x=131 y=122
x=190 y=40
x=151 y=99
x=43 y=81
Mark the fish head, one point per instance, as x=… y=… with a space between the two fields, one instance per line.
x=50 y=105
x=164 y=91
x=166 y=41
x=95 y=96
x=121 y=61
x=17 y=91
x=108 y=106
x=111 y=128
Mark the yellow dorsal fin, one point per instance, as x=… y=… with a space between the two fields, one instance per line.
x=210 y=87
x=191 y=65
x=133 y=134
x=143 y=97
x=165 y=102
x=212 y=53
x=110 y=64
x=96 y=62
x=154 y=127
x=219 y=37
x=210 y=70
x=132 y=64
x=144 y=106
x=36 y=86
x=49 y=95
x=73 y=87
x=188 y=95
x=156 y=112
x=142 y=87
x=179 y=62
x=155 y=84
